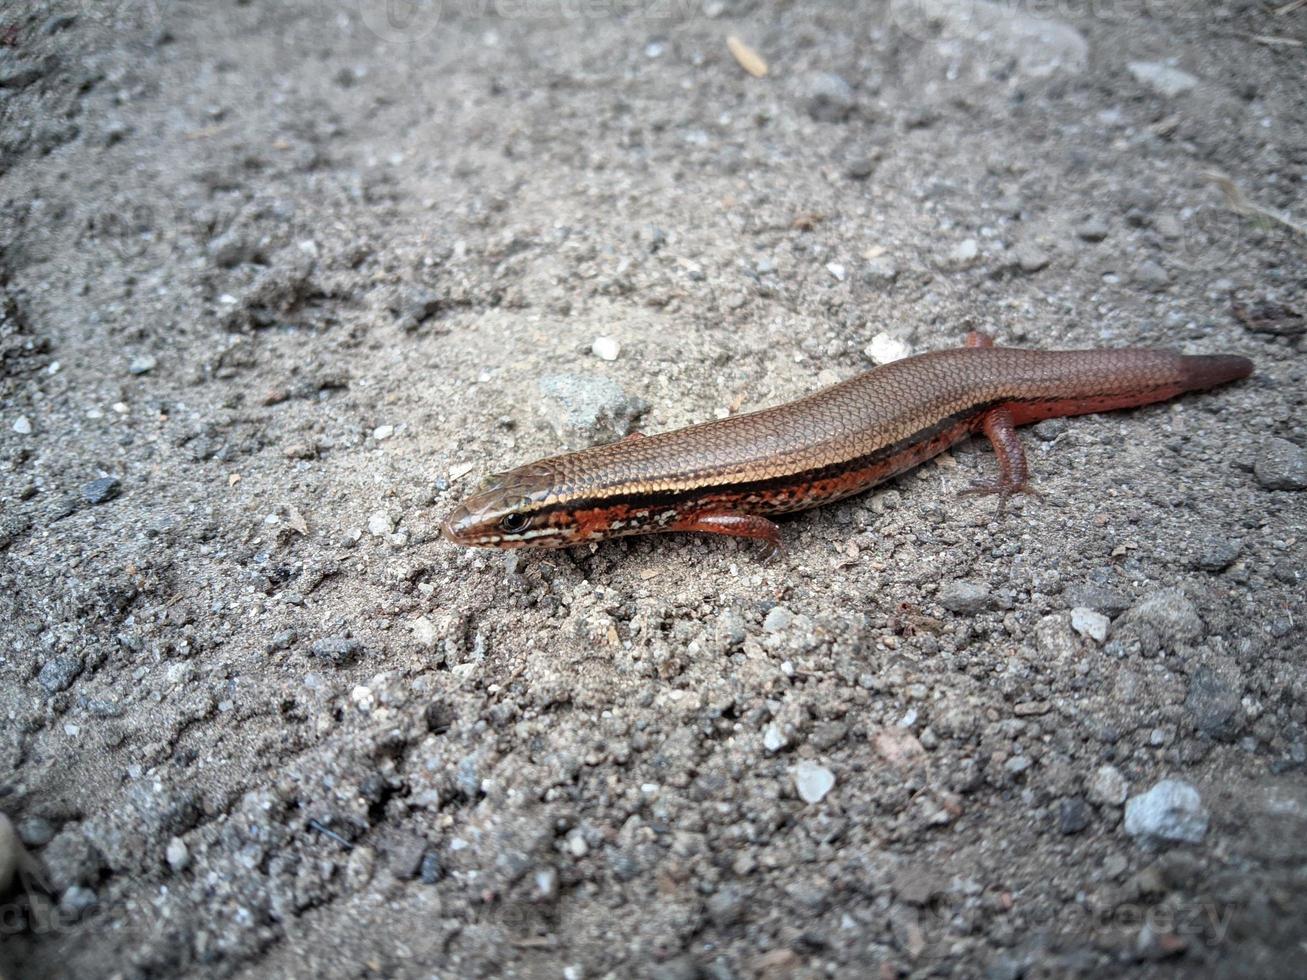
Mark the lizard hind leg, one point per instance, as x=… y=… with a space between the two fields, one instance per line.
x=1013 y=473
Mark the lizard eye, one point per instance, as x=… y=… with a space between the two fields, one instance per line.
x=514 y=523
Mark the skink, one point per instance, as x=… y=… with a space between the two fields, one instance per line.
x=729 y=476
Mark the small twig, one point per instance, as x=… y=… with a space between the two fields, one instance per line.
x=1236 y=200
x=328 y=832
x=1290 y=7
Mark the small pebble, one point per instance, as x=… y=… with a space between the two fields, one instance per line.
x=35 y=831
x=546 y=884
x=1108 y=787
x=142 y=365
x=101 y=491
x=23 y=425
x=1280 y=465
x=381 y=523
x=1151 y=274
x=430 y=870
x=1030 y=258
x=1092 y=229
x=177 y=854
x=1170 y=812
x=860 y=168
x=965 y=251
x=1218 y=554
x=778 y=619
x=880 y=271
x=383 y=432
x=1162 y=78
x=813 y=781
x=883 y=349
x=339 y=650
x=606 y=348
x=1073 y=815
x=59 y=673
x=1088 y=623
x=829 y=97
x=77 y=901
x=968 y=598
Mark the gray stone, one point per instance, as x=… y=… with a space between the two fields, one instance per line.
x=967 y=598
x=1162 y=79
x=1213 y=704
x=880 y=271
x=1098 y=597
x=727 y=906
x=1092 y=229
x=1171 y=812
x=1089 y=623
x=828 y=97
x=430 y=870
x=1218 y=554
x=1030 y=258
x=1280 y=465
x=143 y=364
x=1150 y=274
x=339 y=650
x=860 y=167
x=583 y=409
x=35 y=831
x=231 y=249
x=77 y=901
x=101 y=491
x=1049 y=429
x=1169 y=615
x=58 y=673
x=1073 y=815
x=1108 y=787
x=1037 y=46
x=778 y=619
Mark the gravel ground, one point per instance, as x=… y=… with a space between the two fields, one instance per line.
x=280 y=281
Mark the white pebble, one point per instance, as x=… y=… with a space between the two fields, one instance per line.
x=1089 y=623
x=380 y=523
x=773 y=740
x=966 y=250
x=23 y=425
x=813 y=781
x=836 y=270
x=606 y=348
x=383 y=432
x=177 y=854
x=884 y=348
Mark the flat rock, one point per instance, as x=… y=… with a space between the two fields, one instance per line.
x=1280 y=465
x=967 y=598
x=1162 y=78
x=1171 y=812
x=584 y=410
x=828 y=97
x=1038 y=46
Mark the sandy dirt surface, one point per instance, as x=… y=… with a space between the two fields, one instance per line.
x=280 y=282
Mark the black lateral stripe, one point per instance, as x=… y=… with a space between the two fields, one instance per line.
x=666 y=498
